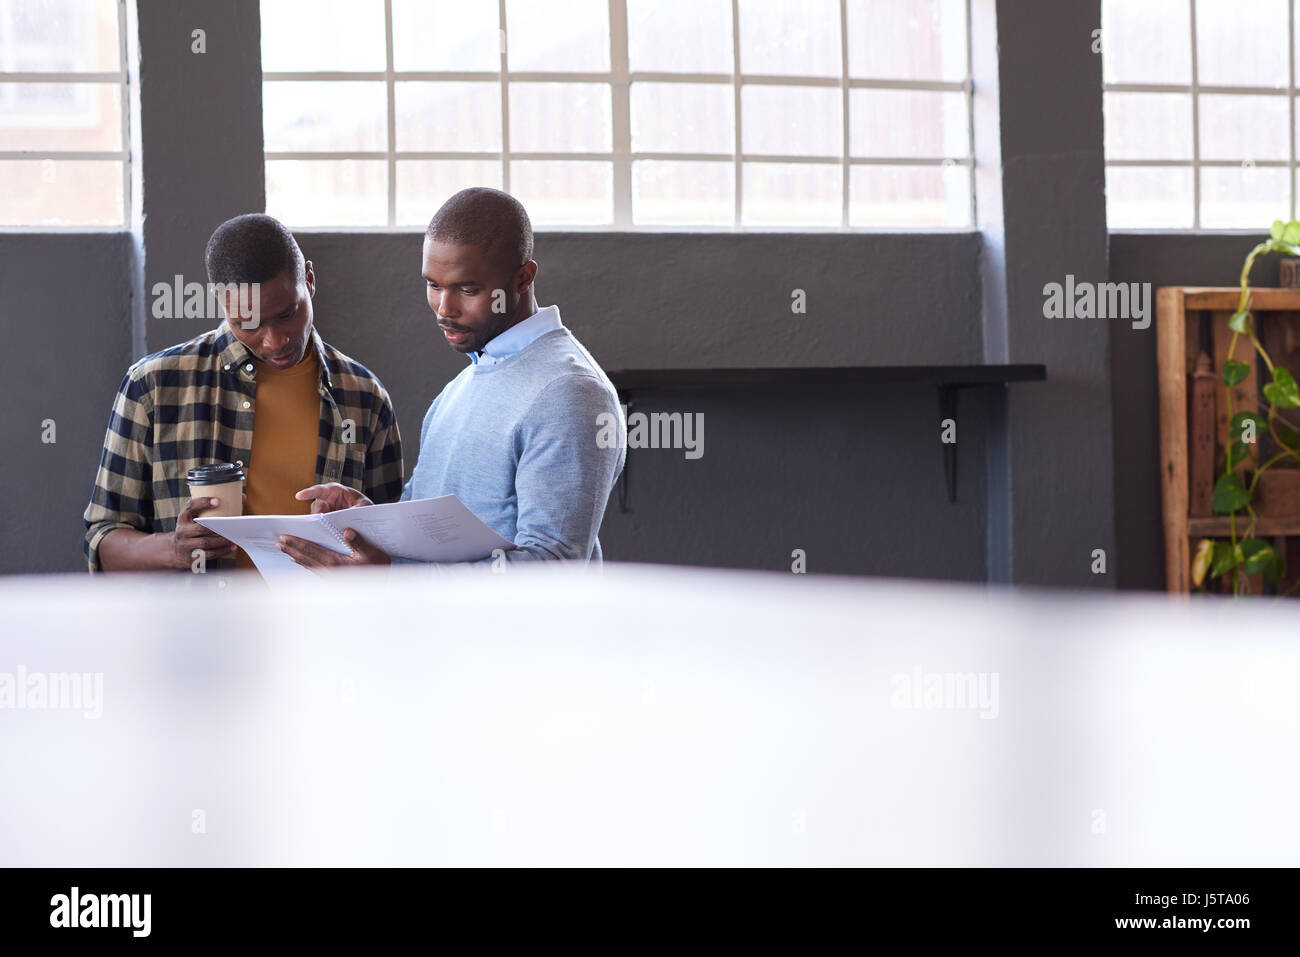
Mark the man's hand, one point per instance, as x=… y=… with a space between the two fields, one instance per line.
x=190 y=535
x=317 y=557
x=331 y=497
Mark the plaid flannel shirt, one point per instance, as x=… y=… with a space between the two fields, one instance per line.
x=193 y=404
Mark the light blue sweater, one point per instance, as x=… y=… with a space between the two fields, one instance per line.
x=526 y=445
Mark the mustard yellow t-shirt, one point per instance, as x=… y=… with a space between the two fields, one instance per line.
x=286 y=430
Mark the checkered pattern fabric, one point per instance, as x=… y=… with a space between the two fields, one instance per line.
x=194 y=404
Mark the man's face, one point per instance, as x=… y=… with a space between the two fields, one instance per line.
x=461 y=281
x=283 y=332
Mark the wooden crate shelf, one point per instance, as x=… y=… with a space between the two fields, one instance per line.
x=1217 y=527
x=1181 y=316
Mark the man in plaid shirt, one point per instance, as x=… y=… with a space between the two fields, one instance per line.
x=322 y=416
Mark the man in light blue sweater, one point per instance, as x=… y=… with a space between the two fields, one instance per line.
x=522 y=434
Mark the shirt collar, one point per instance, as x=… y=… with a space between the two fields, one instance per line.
x=519 y=336
x=231 y=352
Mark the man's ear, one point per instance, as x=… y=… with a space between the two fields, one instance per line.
x=310 y=278
x=527 y=273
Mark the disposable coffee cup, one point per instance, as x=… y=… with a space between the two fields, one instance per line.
x=222 y=481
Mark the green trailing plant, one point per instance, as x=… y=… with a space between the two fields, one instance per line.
x=1232 y=497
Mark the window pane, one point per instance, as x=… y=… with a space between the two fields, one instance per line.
x=682 y=118
x=908 y=123
x=564 y=192
x=922 y=40
x=1146 y=42
x=73 y=36
x=907 y=39
x=791 y=120
x=790 y=39
x=666 y=193
x=60 y=116
x=446 y=116
x=325 y=115
x=446 y=35
x=679 y=36
x=791 y=194
x=912 y=197
x=327 y=35
x=327 y=192
x=1244 y=127
x=560 y=118
x=1244 y=198
x=61 y=193
x=1148 y=197
x=1148 y=125
x=541 y=37
x=424 y=185
x=1241 y=44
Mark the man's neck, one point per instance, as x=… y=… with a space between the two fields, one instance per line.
x=528 y=311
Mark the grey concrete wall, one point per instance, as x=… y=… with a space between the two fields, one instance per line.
x=72 y=303
x=201 y=138
x=671 y=301
x=66 y=313
x=1162 y=260
x=852 y=476
x=1051 y=503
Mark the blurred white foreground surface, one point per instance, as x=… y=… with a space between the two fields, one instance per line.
x=644 y=716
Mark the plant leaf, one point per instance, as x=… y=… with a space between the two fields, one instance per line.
x=1256 y=554
x=1276 y=568
x=1238 y=452
x=1201 y=563
x=1275 y=233
x=1291 y=233
x=1225 y=557
x=1282 y=391
x=1238 y=321
x=1290 y=436
x=1234 y=372
x=1229 y=494
x=1236 y=426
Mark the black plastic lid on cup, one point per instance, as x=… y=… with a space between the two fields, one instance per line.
x=214 y=474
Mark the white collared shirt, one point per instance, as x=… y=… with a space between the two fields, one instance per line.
x=518 y=336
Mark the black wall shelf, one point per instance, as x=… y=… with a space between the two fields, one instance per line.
x=638 y=380
x=949 y=380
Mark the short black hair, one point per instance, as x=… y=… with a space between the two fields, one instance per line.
x=252 y=248
x=481 y=216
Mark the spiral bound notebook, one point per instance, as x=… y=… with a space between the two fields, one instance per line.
x=424 y=530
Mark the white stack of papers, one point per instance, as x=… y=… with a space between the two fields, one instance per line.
x=424 y=530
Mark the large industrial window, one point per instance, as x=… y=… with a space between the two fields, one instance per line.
x=621 y=114
x=63 y=116
x=1200 y=113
